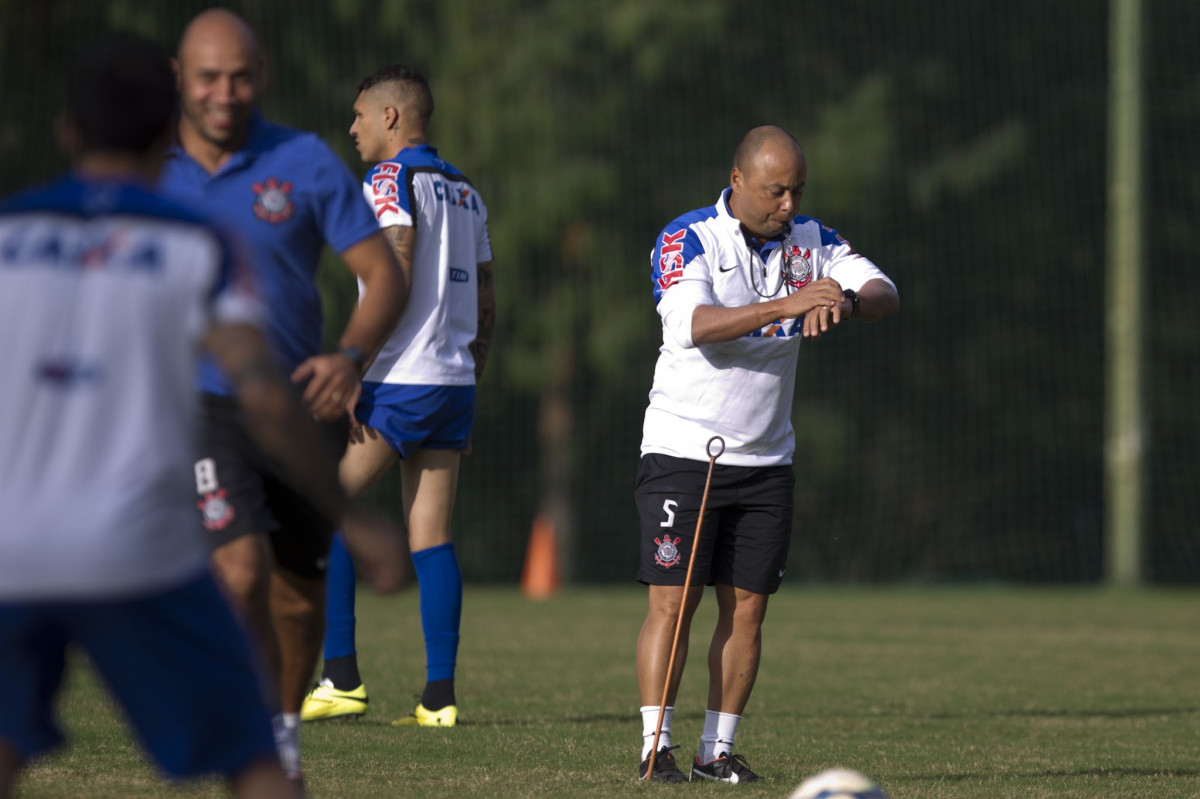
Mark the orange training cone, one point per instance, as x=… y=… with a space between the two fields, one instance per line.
x=540 y=578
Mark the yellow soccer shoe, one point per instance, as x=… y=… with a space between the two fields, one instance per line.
x=421 y=717
x=324 y=703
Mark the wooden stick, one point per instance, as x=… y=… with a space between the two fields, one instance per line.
x=687 y=583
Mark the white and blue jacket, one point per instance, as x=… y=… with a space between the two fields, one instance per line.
x=741 y=390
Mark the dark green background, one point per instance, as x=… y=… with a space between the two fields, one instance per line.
x=961 y=146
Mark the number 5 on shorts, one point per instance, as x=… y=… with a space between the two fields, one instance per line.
x=669 y=506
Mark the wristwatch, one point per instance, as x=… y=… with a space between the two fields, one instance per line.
x=851 y=295
x=353 y=355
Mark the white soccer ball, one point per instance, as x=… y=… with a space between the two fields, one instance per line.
x=839 y=783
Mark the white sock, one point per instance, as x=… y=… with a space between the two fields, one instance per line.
x=649 y=722
x=287 y=741
x=719 y=732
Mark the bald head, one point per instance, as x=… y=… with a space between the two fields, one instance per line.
x=219 y=70
x=766 y=139
x=767 y=181
x=218 y=27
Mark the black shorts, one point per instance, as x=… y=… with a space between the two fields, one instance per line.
x=241 y=490
x=747 y=523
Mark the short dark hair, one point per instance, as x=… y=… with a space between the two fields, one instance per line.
x=410 y=85
x=121 y=93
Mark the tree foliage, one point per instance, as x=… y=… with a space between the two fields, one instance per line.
x=960 y=146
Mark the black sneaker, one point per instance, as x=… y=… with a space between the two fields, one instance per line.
x=665 y=769
x=726 y=768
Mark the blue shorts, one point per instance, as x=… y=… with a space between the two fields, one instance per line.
x=418 y=417
x=177 y=662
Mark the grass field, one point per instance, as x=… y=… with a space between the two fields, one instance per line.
x=987 y=692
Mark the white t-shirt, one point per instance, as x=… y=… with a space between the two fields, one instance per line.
x=741 y=390
x=430 y=345
x=105 y=290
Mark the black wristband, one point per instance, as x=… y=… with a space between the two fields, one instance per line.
x=852 y=295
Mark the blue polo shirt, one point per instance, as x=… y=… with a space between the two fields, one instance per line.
x=283 y=195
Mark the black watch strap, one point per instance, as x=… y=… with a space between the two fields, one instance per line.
x=852 y=295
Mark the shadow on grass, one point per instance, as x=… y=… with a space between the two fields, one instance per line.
x=1121 y=772
x=1064 y=773
x=1123 y=713
x=625 y=718
x=594 y=718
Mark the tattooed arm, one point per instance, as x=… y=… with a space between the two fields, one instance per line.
x=403 y=241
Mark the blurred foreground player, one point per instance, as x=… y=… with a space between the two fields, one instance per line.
x=107 y=291
x=738 y=286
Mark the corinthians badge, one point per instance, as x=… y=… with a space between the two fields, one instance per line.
x=216 y=510
x=797 y=268
x=667 y=554
x=273 y=201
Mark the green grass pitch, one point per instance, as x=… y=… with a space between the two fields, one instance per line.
x=980 y=692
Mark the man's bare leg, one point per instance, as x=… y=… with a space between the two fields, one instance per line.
x=429 y=479
x=243 y=567
x=366 y=460
x=655 y=639
x=298 y=615
x=298 y=611
x=733 y=659
x=736 y=648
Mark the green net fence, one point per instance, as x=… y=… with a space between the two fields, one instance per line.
x=961 y=146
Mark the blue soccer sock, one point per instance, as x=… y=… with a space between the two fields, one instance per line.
x=339 y=608
x=440 y=583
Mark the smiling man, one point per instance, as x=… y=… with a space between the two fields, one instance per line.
x=285 y=195
x=738 y=286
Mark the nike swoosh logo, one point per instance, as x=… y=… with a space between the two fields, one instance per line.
x=726 y=268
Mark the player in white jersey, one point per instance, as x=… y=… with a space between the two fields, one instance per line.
x=738 y=285
x=107 y=292
x=418 y=397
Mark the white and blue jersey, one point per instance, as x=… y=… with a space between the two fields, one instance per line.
x=105 y=292
x=285 y=194
x=741 y=390
x=430 y=345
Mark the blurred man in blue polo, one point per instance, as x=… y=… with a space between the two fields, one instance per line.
x=107 y=292
x=285 y=194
